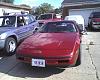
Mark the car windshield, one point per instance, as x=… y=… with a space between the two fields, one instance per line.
x=7 y=21
x=96 y=15
x=57 y=27
x=45 y=16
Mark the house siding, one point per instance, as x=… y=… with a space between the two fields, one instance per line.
x=7 y=7
x=80 y=7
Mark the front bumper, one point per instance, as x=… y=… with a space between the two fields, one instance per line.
x=2 y=43
x=49 y=61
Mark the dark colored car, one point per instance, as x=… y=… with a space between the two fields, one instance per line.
x=94 y=20
x=55 y=44
x=15 y=27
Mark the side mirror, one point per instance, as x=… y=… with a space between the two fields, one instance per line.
x=35 y=29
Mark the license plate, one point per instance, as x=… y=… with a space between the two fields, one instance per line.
x=38 y=62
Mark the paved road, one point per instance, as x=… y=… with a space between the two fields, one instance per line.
x=10 y=69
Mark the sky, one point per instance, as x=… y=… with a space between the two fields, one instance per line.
x=32 y=3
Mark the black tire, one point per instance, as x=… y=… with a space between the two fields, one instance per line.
x=10 y=46
x=78 y=62
x=91 y=26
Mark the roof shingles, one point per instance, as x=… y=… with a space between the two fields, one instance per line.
x=77 y=1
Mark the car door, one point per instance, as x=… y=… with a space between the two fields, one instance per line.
x=22 y=29
x=34 y=23
x=31 y=24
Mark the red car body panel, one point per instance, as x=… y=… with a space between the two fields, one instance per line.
x=55 y=48
x=96 y=19
x=51 y=46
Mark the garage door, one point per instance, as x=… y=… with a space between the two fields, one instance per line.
x=84 y=12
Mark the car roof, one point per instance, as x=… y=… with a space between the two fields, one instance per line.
x=13 y=14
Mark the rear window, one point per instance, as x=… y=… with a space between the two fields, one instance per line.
x=45 y=16
x=58 y=27
x=96 y=15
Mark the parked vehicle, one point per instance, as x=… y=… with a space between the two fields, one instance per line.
x=54 y=44
x=79 y=19
x=94 y=20
x=47 y=17
x=15 y=27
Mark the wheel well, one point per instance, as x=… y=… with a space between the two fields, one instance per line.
x=13 y=36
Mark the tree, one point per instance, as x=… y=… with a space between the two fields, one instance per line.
x=43 y=8
x=7 y=1
x=58 y=10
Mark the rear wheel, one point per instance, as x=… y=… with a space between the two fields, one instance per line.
x=10 y=46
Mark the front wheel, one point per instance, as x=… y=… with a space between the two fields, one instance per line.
x=10 y=46
x=91 y=26
x=78 y=61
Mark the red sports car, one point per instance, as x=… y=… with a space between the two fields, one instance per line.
x=54 y=44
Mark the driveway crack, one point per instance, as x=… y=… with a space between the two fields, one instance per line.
x=12 y=68
x=94 y=65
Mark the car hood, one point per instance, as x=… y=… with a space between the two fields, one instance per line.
x=5 y=29
x=50 y=41
x=48 y=45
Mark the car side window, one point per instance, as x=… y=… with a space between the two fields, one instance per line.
x=7 y=21
x=32 y=18
x=54 y=16
x=78 y=28
x=28 y=19
x=20 y=21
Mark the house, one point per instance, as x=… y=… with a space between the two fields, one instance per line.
x=80 y=7
x=7 y=7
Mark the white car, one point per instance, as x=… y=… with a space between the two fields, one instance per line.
x=79 y=20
